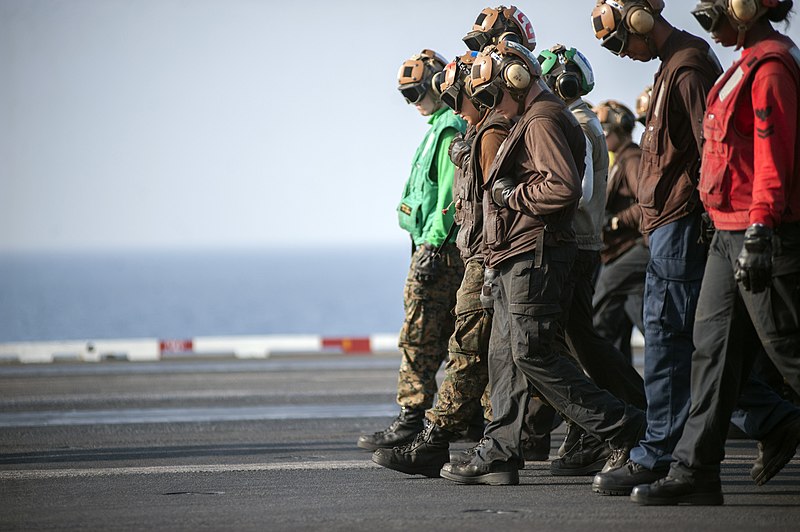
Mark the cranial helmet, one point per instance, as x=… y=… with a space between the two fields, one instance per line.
x=507 y=66
x=566 y=71
x=614 y=116
x=416 y=75
x=643 y=103
x=613 y=20
x=742 y=14
x=455 y=80
x=492 y=23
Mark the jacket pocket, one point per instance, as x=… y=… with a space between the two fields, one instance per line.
x=715 y=174
x=409 y=214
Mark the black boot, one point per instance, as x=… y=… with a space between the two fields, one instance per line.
x=401 y=431
x=424 y=456
x=622 y=480
x=574 y=433
x=586 y=457
x=671 y=491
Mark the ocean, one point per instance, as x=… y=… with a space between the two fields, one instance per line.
x=180 y=295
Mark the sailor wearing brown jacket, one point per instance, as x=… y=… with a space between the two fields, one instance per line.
x=534 y=185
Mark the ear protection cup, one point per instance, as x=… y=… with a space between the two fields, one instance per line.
x=639 y=19
x=516 y=76
x=568 y=85
x=745 y=11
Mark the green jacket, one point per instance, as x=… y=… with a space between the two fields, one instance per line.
x=429 y=189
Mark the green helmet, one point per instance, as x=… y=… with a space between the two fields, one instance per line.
x=566 y=71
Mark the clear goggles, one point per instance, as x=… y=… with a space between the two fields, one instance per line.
x=708 y=15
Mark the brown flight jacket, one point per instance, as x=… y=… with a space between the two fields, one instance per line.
x=544 y=155
x=486 y=138
x=623 y=179
x=673 y=137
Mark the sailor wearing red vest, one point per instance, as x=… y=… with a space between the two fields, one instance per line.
x=750 y=186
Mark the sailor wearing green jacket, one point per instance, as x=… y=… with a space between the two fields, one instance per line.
x=426 y=212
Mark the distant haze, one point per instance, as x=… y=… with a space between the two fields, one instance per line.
x=242 y=123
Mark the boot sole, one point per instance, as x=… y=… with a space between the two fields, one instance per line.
x=612 y=491
x=492 y=479
x=590 y=469
x=430 y=471
x=774 y=466
x=694 y=499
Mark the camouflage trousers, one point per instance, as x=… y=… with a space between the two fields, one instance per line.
x=464 y=392
x=426 y=329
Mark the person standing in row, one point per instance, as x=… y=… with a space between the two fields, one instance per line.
x=618 y=298
x=568 y=74
x=436 y=268
x=466 y=371
x=670 y=207
x=750 y=186
x=531 y=196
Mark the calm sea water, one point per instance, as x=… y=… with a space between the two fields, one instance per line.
x=62 y=296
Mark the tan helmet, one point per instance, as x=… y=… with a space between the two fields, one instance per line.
x=643 y=103
x=507 y=66
x=613 y=20
x=494 y=22
x=614 y=116
x=414 y=79
x=455 y=81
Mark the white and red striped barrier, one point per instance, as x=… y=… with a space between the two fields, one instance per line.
x=152 y=349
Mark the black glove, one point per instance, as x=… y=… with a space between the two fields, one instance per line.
x=459 y=150
x=754 y=266
x=487 y=299
x=426 y=267
x=502 y=188
x=707 y=229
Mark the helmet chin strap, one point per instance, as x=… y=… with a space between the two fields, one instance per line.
x=742 y=33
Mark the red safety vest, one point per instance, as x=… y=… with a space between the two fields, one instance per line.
x=727 y=172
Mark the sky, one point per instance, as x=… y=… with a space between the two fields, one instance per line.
x=178 y=124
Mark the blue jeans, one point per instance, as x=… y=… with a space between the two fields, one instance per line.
x=671 y=292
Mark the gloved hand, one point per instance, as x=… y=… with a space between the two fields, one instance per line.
x=487 y=299
x=707 y=229
x=754 y=266
x=502 y=188
x=426 y=266
x=459 y=150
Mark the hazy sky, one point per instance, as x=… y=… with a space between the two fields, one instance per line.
x=188 y=123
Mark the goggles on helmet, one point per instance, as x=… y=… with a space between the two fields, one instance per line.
x=608 y=26
x=613 y=116
x=414 y=77
x=493 y=22
x=708 y=15
x=454 y=84
x=482 y=75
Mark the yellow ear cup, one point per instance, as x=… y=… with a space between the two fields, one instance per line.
x=517 y=76
x=743 y=10
x=640 y=20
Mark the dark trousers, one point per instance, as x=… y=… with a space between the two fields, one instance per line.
x=527 y=305
x=604 y=363
x=731 y=326
x=619 y=297
x=672 y=287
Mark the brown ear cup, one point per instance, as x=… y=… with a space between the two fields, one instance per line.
x=743 y=11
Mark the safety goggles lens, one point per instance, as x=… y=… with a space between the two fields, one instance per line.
x=487 y=96
x=414 y=93
x=451 y=97
x=476 y=40
x=616 y=41
x=708 y=16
